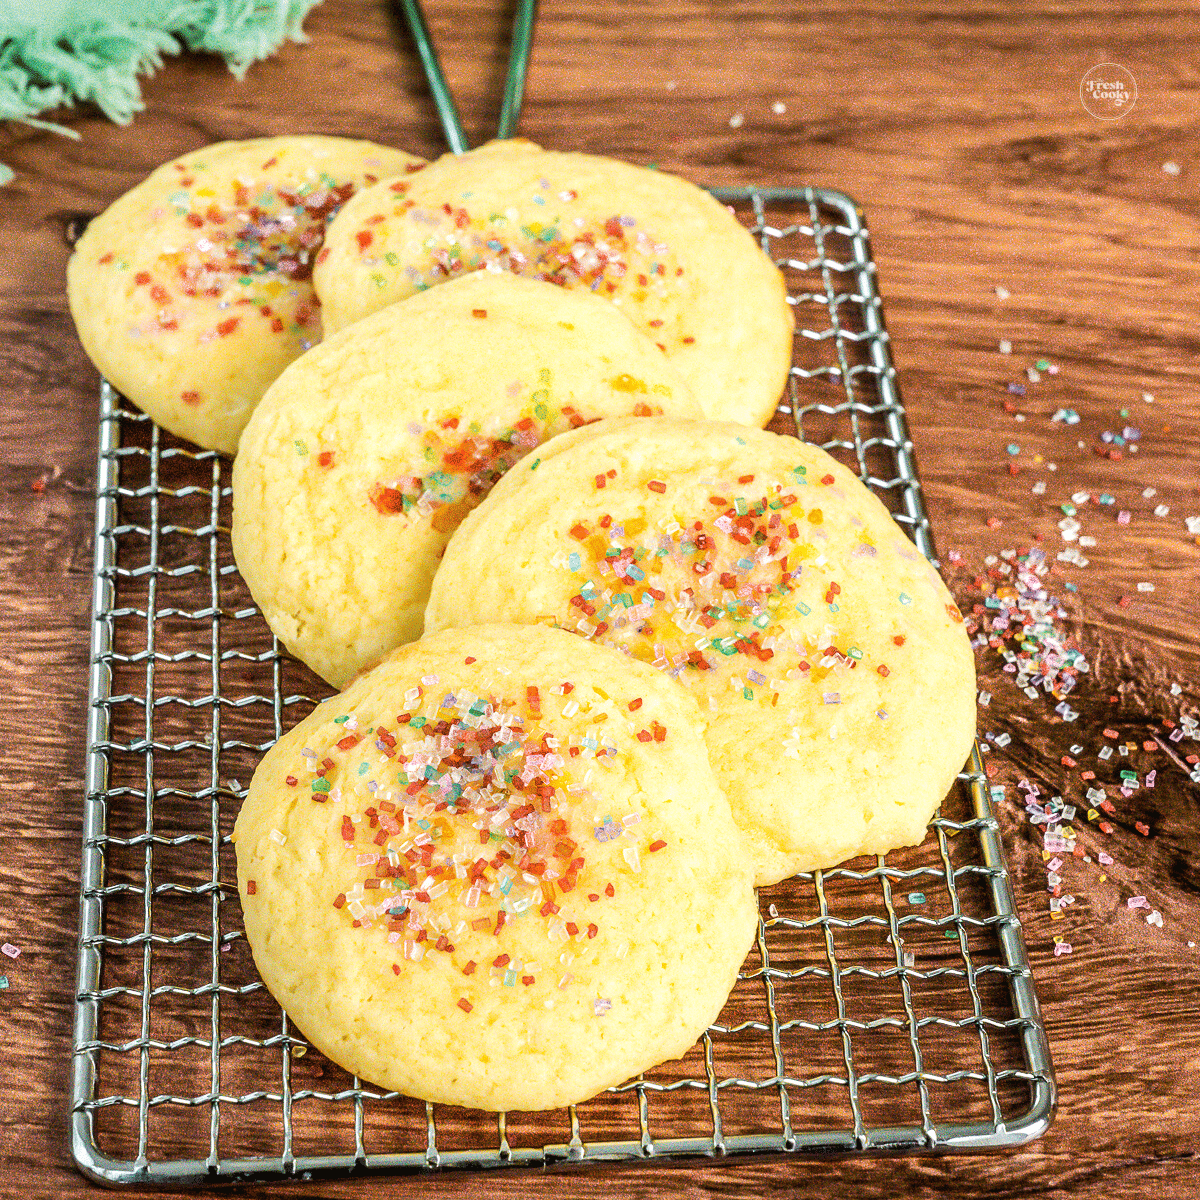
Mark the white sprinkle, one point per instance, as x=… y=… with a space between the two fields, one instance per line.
x=671 y=85
x=1002 y=293
x=11 y=950
x=779 y=108
x=1145 y=587
x=1171 y=168
x=1005 y=346
x=737 y=120
x=277 y=837
x=1161 y=510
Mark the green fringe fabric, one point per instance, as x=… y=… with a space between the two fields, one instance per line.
x=56 y=52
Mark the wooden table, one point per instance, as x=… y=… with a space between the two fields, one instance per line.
x=1000 y=209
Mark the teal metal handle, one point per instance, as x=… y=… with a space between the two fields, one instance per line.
x=514 y=82
x=440 y=89
x=518 y=65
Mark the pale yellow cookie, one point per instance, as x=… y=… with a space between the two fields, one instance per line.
x=497 y=872
x=368 y=451
x=828 y=657
x=193 y=290
x=676 y=262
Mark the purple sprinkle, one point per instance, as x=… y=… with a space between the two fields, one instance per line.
x=1017 y=389
x=11 y=950
x=832 y=697
x=600 y=1006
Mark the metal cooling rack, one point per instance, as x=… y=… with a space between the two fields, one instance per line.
x=887 y=1005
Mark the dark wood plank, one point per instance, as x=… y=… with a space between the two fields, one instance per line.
x=962 y=133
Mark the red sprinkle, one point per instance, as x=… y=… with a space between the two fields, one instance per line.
x=364 y=239
x=659 y=845
x=634 y=705
x=465 y=1004
x=656 y=485
x=469 y=969
x=251 y=887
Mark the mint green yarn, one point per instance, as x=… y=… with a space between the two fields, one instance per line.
x=56 y=52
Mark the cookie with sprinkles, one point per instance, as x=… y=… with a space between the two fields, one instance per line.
x=194 y=290
x=370 y=449
x=828 y=657
x=497 y=871
x=675 y=261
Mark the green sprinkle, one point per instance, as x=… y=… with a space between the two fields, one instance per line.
x=855 y=653
x=320 y=785
x=341 y=720
x=1069 y=509
x=363 y=768
x=740 y=506
x=540 y=396
x=761 y=621
x=379 y=281
x=533 y=466
x=541 y=411
x=905 y=598
x=916 y=897
x=3 y=982
x=803 y=609
x=1124 y=412
x=747 y=693
x=1013 y=449
x=799 y=470
x=391 y=259
x=1042 y=365
x=835 y=607
x=301 y=448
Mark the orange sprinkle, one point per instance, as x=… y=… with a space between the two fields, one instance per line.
x=655 y=846
x=656 y=485
x=479 y=312
x=465 y=1004
x=634 y=705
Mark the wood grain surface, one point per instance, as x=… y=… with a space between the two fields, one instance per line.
x=960 y=130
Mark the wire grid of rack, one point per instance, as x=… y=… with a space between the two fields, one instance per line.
x=887 y=1004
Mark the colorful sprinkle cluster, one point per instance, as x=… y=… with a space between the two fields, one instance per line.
x=467 y=464
x=249 y=248
x=610 y=256
x=464 y=814
x=1079 y=814
x=689 y=594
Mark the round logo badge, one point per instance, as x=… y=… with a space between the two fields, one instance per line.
x=1108 y=91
